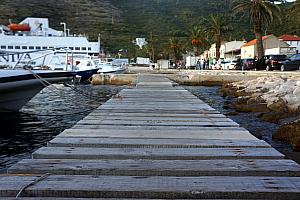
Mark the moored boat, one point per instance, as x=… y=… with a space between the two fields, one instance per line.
x=18 y=86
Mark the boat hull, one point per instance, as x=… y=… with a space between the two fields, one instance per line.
x=17 y=90
x=86 y=74
x=120 y=71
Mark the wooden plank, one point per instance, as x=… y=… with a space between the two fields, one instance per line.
x=153 y=143
x=154 y=110
x=157 y=107
x=157 y=123
x=179 y=168
x=160 y=118
x=159 y=187
x=156 y=153
x=156 y=115
x=136 y=132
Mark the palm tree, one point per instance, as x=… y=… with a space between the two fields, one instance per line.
x=217 y=27
x=198 y=38
x=262 y=12
x=175 y=47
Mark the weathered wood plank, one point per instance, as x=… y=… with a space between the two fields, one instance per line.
x=179 y=168
x=156 y=153
x=157 y=107
x=153 y=115
x=153 y=143
x=136 y=132
x=167 y=111
x=159 y=187
x=151 y=118
x=157 y=123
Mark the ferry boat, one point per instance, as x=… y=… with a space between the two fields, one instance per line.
x=33 y=36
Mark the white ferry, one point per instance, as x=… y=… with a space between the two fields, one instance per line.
x=33 y=36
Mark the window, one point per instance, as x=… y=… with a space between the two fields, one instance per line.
x=72 y=48
x=77 y=48
x=89 y=48
x=83 y=48
x=31 y=47
x=17 y=47
x=10 y=47
x=38 y=48
x=44 y=48
x=3 y=47
x=24 y=47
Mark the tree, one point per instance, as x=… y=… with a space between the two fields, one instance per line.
x=262 y=12
x=175 y=48
x=294 y=17
x=217 y=28
x=199 y=39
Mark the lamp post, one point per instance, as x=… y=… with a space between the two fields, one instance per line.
x=65 y=27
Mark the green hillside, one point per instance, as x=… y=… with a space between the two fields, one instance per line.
x=120 y=21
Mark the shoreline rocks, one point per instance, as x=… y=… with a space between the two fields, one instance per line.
x=274 y=98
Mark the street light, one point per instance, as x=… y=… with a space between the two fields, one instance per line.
x=65 y=27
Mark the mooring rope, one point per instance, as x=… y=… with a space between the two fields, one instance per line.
x=31 y=184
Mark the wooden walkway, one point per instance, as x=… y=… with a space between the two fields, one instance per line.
x=155 y=141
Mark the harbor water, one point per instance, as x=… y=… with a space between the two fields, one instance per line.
x=59 y=107
x=50 y=112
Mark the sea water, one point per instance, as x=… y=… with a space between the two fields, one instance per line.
x=53 y=110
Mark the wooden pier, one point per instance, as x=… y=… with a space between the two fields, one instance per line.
x=154 y=141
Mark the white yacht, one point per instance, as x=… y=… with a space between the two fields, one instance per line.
x=32 y=36
x=109 y=65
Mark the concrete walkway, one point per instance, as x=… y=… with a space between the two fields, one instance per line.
x=155 y=141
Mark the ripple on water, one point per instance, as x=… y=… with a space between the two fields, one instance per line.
x=53 y=110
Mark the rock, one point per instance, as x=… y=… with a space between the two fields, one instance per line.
x=113 y=79
x=289 y=133
x=278 y=106
x=232 y=113
x=259 y=107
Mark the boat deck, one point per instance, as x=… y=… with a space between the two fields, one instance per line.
x=154 y=141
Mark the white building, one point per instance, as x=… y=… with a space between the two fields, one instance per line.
x=271 y=44
x=213 y=51
x=293 y=41
x=231 y=50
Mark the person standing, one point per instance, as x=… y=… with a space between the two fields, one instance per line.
x=198 y=64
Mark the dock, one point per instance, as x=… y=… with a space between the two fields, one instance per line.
x=154 y=141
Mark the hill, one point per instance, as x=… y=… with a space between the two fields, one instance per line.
x=120 y=21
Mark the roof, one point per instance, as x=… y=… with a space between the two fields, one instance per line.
x=253 y=42
x=233 y=46
x=289 y=38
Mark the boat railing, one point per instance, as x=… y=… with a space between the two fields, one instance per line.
x=26 y=62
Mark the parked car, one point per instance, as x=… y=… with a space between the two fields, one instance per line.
x=220 y=65
x=231 y=65
x=246 y=64
x=293 y=63
x=274 y=62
